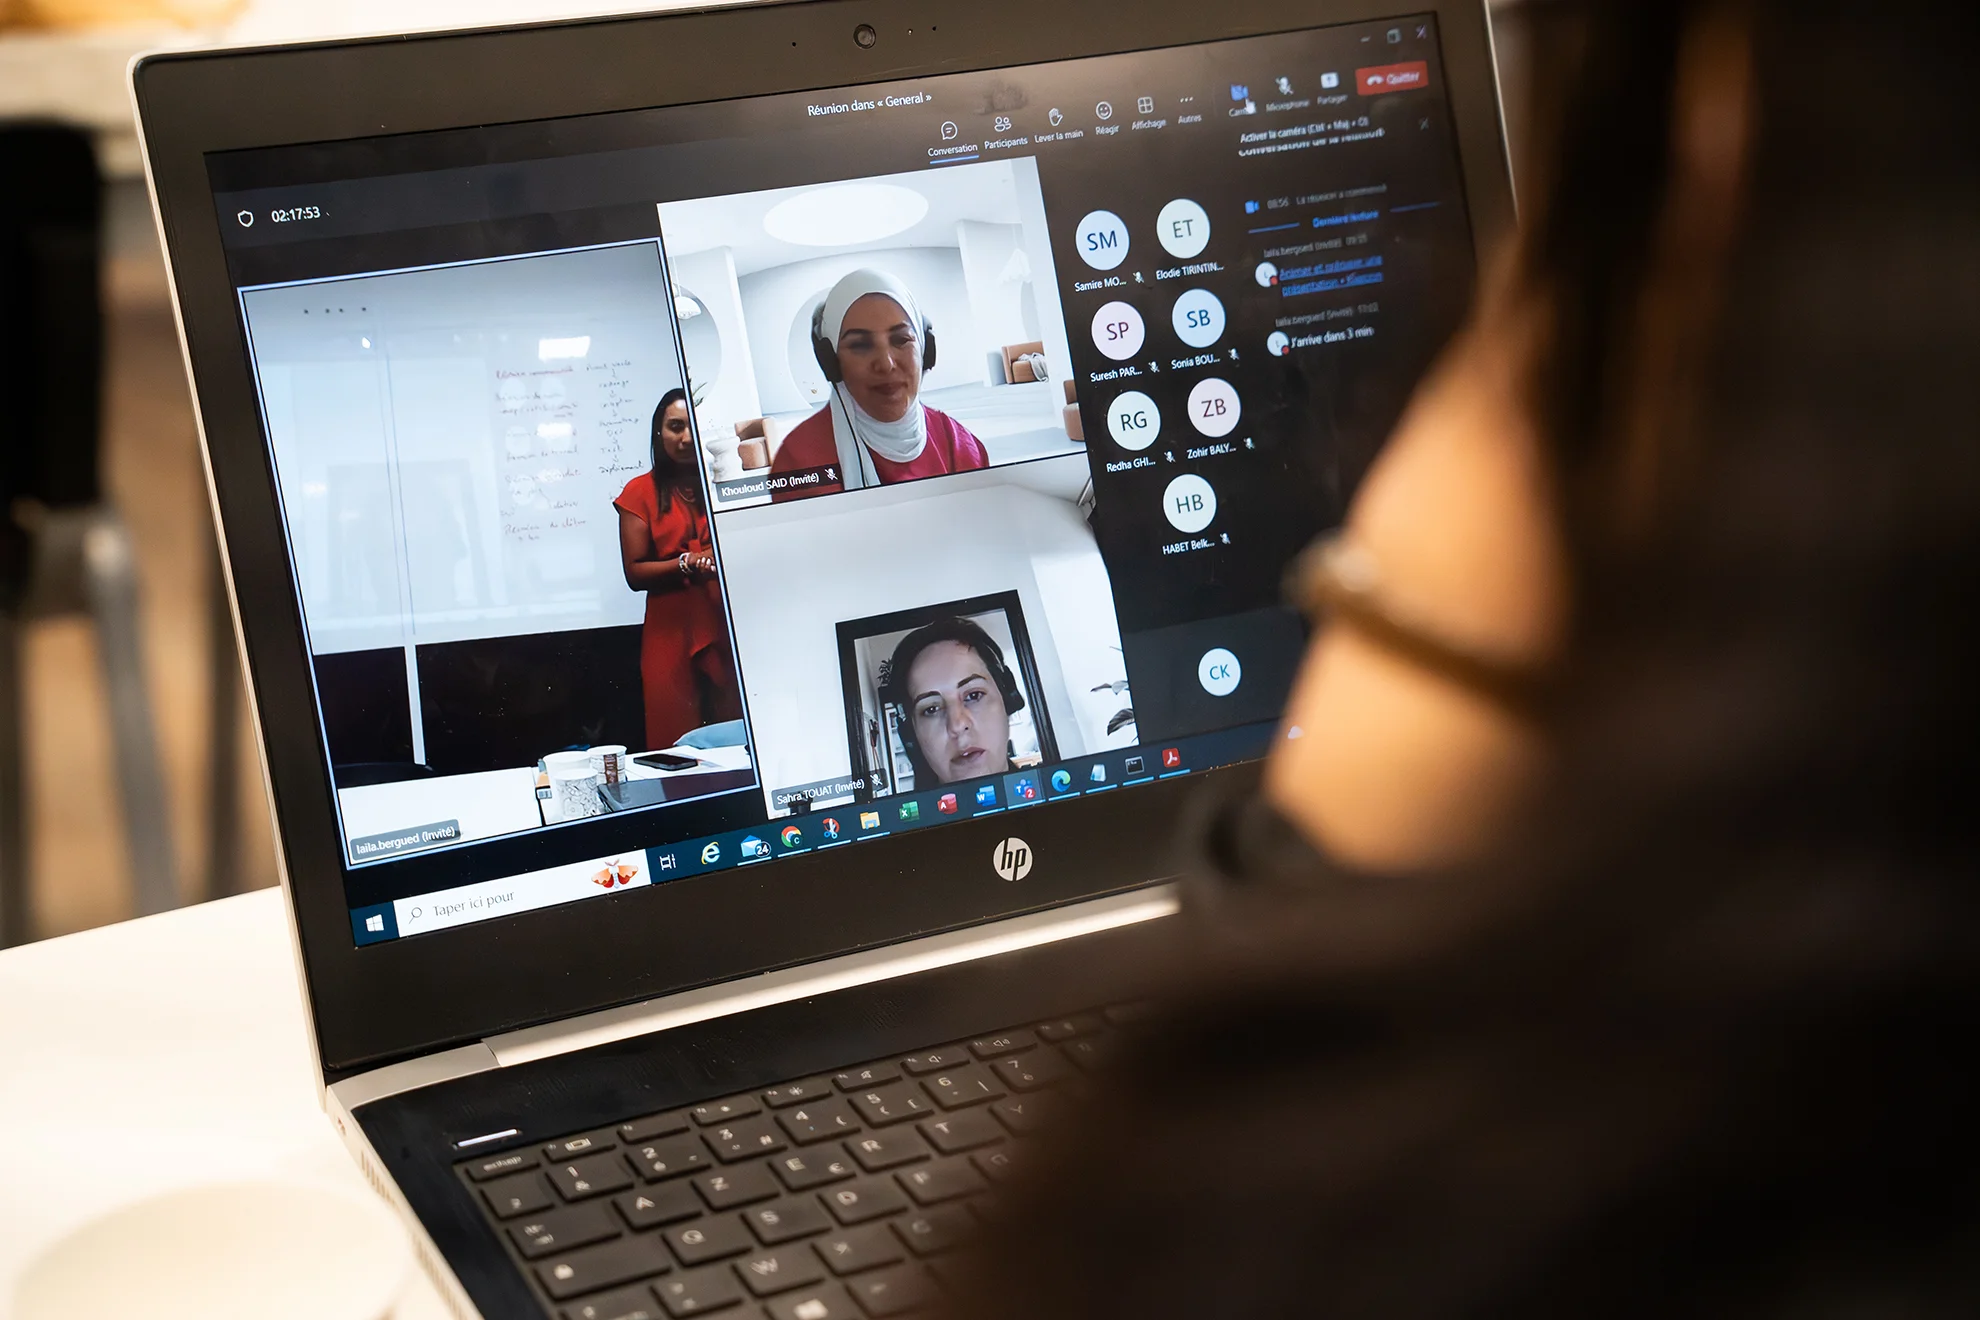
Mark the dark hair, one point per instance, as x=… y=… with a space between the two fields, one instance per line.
x=1689 y=1045
x=894 y=675
x=669 y=476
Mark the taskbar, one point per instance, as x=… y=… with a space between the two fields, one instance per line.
x=821 y=829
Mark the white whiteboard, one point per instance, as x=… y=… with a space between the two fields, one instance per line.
x=449 y=441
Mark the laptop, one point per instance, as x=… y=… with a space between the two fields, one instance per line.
x=747 y=527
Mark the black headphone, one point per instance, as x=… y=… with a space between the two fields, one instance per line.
x=827 y=352
x=909 y=649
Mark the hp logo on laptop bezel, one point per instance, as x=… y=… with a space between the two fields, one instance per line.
x=1012 y=859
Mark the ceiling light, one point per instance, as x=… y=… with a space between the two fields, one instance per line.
x=846 y=215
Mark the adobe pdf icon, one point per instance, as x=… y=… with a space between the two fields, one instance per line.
x=1385 y=78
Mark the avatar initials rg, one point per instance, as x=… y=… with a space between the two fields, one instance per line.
x=1012 y=859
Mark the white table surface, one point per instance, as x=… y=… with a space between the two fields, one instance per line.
x=154 y=1055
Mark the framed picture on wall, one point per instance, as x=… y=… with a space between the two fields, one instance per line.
x=952 y=689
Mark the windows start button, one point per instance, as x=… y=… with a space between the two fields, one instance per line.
x=1392 y=78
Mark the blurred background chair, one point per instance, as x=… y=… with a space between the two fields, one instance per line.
x=64 y=548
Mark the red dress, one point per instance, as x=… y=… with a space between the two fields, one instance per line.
x=950 y=448
x=685 y=668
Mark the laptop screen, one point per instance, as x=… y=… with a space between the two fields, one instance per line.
x=697 y=488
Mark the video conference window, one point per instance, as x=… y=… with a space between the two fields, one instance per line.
x=872 y=332
x=944 y=694
x=506 y=566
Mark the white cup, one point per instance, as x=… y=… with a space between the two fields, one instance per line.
x=574 y=783
x=610 y=763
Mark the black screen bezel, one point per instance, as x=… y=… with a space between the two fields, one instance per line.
x=411 y=996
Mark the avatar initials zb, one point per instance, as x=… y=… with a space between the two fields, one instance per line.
x=1012 y=858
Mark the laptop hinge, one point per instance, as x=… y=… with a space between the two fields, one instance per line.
x=752 y=992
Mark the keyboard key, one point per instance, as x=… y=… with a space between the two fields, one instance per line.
x=944 y=1180
x=495 y=1166
x=642 y=1130
x=770 y=1272
x=786 y=1221
x=804 y=1170
x=1023 y=1114
x=856 y=1250
x=740 y=1141
x=518 y=1194
x=796 y=1093
x=865 y=1079
x=699 y=1292
x=726 y=1111
x=732 y=1187
x=935 y=1230
x=890 y=1104
x=1126 y=1015
x=964 y=1130
x=603 y=1267
x=670 y=1159
x=1032 y=1071
x=995 y=1164
x=958 y=1087
x=1069 y=1028
x=1091 y=1052
x=669 y=1203
x=886 y=1150
x=626 y=1304
x=583 y=1179
x=827 y=1301
x=855 y=1203
x=1004 y=1042
x=708 y=1239
x=819 y=1121
x=893 y=1292
x=929 y=1061
x=563 y=1230
x=570 y=1148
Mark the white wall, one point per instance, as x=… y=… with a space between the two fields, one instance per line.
x=796 y=571
x=732 y=397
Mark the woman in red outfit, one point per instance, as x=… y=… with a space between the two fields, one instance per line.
x=685 y=667
x=874 y=346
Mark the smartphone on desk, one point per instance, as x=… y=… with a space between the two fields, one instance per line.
x=666 y=761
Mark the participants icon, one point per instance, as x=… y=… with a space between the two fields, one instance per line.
x=1183 y=228
x=1118 y=331
x=1214 y=409
x=1190 y=504
x=1134 y=421
x=1103 y=240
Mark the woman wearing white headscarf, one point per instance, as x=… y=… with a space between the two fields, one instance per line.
x=874 y=344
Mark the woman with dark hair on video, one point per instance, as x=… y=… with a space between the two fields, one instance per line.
x=874 y=346
x=950 y=683
x=1609 y=943
x=685 y=669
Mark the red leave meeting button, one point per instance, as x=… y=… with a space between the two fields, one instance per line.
x=1392 y=77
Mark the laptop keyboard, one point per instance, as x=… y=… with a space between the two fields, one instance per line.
x=834 y=1197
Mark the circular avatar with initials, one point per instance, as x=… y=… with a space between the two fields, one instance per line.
x=1213 y=407
x=1184 y=229
x=1103 y=240
x=1199 y=318
x=1189 y=503
x=1118 y=331
x=1134 y=421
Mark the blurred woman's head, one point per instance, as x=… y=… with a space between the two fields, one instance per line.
x=1668 y=1034
x=876 y=328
